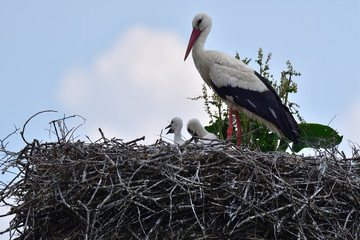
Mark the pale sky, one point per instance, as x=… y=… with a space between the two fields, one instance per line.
x=120 y=64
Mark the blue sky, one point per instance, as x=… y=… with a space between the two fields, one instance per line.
x=120 y=64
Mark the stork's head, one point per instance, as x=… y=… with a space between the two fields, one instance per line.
x=200 y=22
x=175 y=125
x=194 y=127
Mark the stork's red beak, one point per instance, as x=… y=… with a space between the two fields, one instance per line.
x=194 y=35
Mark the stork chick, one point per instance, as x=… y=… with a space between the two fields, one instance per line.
x=175 y=127
x=195 y=129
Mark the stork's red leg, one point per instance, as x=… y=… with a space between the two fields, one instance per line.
x=238 y=128
x=231 y=127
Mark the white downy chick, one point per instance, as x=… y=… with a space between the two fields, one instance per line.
x=175 y=127
x=195 y=129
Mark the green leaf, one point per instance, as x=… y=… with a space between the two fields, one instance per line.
x=315 y=135
x=290 y=90
x=218 y=128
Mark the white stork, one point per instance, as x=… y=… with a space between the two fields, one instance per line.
x=195 y=129
x=175 y=127
x=242 y=88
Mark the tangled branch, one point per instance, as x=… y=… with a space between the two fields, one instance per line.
x=116 y=190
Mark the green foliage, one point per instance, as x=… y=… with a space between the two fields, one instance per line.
x=317 y=136
x=256 y=135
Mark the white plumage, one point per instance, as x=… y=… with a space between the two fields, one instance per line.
x=195 y=129
x=175 y=127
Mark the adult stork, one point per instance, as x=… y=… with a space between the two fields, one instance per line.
x=242 y=88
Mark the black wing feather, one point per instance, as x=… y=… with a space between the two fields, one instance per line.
x=266 y=105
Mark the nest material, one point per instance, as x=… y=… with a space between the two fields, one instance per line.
x=117 y=190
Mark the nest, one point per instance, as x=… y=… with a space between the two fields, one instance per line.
x=115 y=190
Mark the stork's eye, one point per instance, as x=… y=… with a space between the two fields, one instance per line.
x=200 y=20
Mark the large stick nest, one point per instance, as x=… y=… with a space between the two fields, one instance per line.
x=115 y=190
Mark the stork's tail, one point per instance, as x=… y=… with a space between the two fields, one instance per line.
x=293 y=130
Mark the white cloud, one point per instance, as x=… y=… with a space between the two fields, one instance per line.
x=136 y=87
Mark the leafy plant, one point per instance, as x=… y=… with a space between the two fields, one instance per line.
x=256 y=135
x=317 y=136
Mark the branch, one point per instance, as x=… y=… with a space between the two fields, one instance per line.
x=23 y=130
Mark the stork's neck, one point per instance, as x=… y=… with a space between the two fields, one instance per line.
x=200 y=56
x=177 y=135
